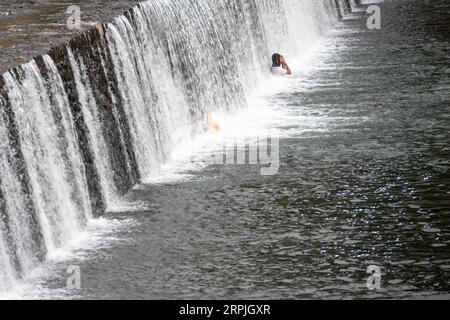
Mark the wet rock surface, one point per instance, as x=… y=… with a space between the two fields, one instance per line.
x=30 y=28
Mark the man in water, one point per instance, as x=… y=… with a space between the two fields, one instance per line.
x=279 y=66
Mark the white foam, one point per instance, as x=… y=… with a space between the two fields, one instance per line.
x=99 y=234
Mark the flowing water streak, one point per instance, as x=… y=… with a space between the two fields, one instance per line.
x=135 y=88
x=167 y=64
x=14 y=229
x=92 y=120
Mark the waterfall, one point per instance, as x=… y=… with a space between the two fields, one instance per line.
x=84 y=123
x=54 y=171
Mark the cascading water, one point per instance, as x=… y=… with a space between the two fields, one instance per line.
x=81 y=125
x=54 y=171
x=92 y=120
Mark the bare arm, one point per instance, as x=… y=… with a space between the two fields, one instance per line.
x=285 y=66
x=288 y=70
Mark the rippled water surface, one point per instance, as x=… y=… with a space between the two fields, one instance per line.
x=364 y=180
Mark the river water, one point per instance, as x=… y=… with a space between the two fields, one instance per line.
x=363 y=180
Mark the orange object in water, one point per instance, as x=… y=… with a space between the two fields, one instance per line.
x=214 y=125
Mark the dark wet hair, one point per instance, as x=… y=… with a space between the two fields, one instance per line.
x=276 y=60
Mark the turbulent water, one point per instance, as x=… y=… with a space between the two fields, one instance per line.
x=363 y=168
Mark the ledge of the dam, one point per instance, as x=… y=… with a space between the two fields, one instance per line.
x=29 y=28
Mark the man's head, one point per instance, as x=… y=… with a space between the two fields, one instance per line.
x=277 y=59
